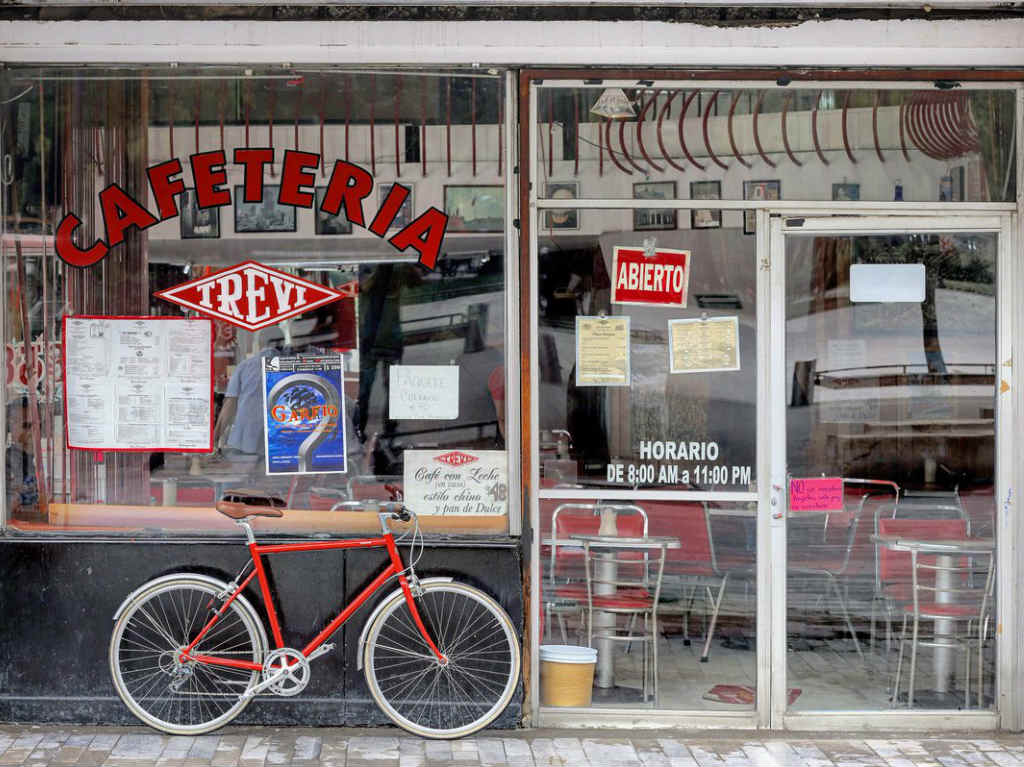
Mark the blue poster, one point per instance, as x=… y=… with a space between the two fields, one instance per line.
x=304 y=406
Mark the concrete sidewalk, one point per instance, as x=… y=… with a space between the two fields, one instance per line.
x=258 y=747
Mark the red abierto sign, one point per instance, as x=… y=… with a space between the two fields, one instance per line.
x=661 y=279
x=816 y=494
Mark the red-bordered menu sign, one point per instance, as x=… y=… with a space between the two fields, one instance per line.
x=138 y=384
x=659 y=279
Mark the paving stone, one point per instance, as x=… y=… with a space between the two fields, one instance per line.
x=131 y=749
x=202 y=751
x=19 y=750
x=175 y=751
x=464 y=751
x=307 y=750
x=491 y=751
x=334 y=752
x=679 y=755
x=412 y=753
x=254 y=751
x=518 y=752
x=438 y=752
x=229 y=751
x=280 y=750
x=98 y=750
x=610 y=752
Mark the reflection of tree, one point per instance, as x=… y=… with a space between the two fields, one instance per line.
x=941 y=260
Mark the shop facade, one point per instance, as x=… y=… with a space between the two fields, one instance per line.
x=730 y=312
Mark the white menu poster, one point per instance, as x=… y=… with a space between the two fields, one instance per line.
x=139 y=383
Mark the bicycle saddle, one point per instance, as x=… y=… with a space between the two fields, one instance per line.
x=239 y=504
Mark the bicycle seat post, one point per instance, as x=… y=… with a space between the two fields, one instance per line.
x=244 y=524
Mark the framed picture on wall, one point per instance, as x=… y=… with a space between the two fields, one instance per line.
x=196 y=223
x=647 y=219
x=562 y=218
x=404 y=213
x=758 y=190
x=325 y=222
x=266 y=216
x=846 y=192
x=705 y=218
x=475 y=208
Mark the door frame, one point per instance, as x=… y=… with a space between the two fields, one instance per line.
x=780 y=224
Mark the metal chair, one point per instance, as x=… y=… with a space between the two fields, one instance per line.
x=930 y=579
x=839 y=562
x=564 y=591
x=694 y=564
x=615 y=585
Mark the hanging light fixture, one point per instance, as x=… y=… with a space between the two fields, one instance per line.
x=614 y=105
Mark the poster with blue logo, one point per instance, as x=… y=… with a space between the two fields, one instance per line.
x=304 y=407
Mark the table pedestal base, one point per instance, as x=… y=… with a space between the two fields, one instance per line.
x=617 y=694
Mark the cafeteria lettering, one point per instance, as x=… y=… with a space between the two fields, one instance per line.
x=349 y=185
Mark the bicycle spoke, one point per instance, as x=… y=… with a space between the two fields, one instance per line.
x=459 y=696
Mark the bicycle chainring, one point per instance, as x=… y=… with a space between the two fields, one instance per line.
x=295 y=675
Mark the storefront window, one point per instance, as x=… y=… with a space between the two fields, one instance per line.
x=667 y=397
x=412 y=348
x=790 y=143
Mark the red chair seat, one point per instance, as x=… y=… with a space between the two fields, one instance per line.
x=929 y=609
x=579 y=593
x=624 y=600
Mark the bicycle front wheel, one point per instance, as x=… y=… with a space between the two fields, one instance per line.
x=437 y=700
x=184 y=698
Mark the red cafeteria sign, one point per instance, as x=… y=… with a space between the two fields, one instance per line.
x=661 y=279
x=250 y=295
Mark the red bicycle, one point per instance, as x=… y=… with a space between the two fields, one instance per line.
x=189 y=651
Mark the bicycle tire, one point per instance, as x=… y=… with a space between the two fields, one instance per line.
x=419 y=694
x=150 y=631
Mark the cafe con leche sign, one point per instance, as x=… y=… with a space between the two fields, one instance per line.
x=456 y=482
x=348 y=187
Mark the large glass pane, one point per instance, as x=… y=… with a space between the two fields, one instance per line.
x=792 y=143
x=73 y=133
x=683 y=415
x=694 y=626
x=890 y=351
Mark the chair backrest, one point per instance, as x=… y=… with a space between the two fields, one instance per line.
x=690 y=522
x=585 y=519
x=959 y=584
x=898 y=565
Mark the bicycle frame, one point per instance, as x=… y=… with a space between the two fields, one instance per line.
x=257 y=552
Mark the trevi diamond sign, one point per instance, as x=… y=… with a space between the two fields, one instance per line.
x=250 y=295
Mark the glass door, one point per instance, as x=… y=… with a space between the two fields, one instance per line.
x=887 y=416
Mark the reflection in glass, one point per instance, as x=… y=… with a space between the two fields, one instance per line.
x=896 y=397
x=691 y=429
x=700 y=602
x=873 y=144
x=392 y=311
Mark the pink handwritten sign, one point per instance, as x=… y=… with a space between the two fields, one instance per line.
x=818 y=494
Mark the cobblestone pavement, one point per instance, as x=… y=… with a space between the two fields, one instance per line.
x=260 y=747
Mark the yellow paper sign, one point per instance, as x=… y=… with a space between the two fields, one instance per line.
x=704 y=345
x=602 y=351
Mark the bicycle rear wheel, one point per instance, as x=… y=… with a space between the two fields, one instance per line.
x=443 y=701
x=190 y=698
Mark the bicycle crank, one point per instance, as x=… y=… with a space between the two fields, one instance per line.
x=286 y=672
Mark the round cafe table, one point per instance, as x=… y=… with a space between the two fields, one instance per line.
x=606 y=570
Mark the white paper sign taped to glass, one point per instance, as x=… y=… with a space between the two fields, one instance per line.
x=655 y=277
x=139 y=383
x=428 y=392
x=704 y=345
x=602 y=351
x=456 y=482
x=304 y=407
